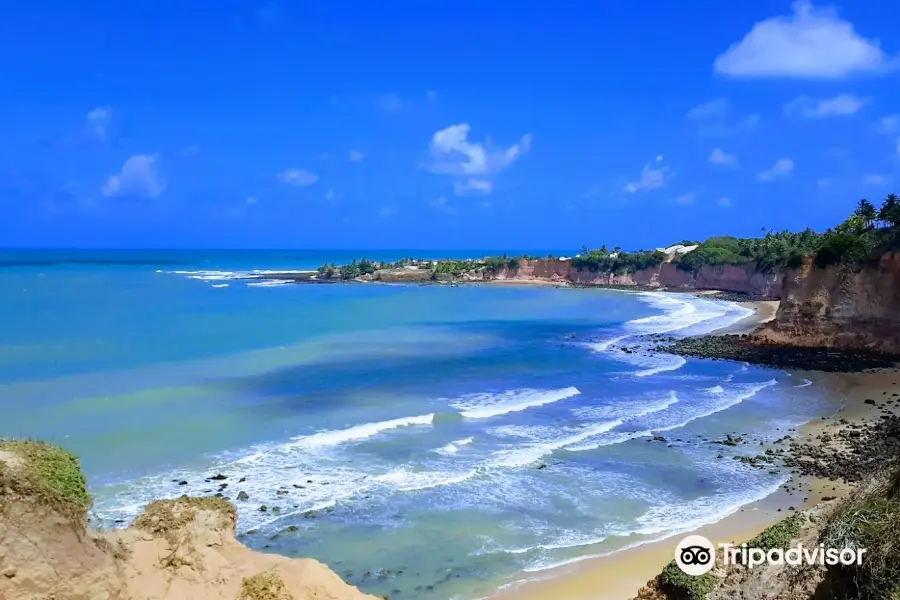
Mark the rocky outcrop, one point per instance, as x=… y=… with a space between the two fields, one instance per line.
x=839 y=307
x=182 y=549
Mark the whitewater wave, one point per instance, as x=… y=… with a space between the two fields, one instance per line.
x=657 y=522
x=806 y=383
x=220 y=275
x=520 y=457
x=336 y=437
x=268 y=283
x=570 y=540
x=405 y=480
x=453 y=447
x=217 y=275
x=684 y=312
x=483 y=406
x=725 y=402
x=681 y=314
x=685 y=416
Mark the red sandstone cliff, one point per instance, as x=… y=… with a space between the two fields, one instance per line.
x=839 y=307
x=728 y=278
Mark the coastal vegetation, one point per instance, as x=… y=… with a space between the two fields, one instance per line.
x=859 y=240
x=617 y=262
x=868 y=519
x=489 y=264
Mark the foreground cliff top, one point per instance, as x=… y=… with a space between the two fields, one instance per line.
x=180 y=549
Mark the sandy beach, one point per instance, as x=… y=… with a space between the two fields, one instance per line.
x=620 y=575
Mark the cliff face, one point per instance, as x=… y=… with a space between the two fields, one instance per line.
x=839 y=307
x=728 y=278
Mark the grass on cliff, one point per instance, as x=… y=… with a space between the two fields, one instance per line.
x=677 y=585
x=264 y=586
x=48 y=474
x=868 y=519
x=165 y=517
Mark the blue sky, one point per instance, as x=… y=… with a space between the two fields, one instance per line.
x=439 y=124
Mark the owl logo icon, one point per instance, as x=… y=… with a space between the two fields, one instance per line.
x=695 y=555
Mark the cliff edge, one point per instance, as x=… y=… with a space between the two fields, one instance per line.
x=839 y=306
x=182 y=549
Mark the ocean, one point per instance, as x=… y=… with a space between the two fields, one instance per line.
x=424 y=441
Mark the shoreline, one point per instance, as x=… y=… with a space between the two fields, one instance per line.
x=622 y=573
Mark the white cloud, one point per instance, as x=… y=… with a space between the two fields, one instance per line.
x=98 y=122
x=717 y=117
x=876 y=179
x=686 y=199
x=251 y=200
x=387 y=211
x=442 y=205
x=653 y=176
x=453 y=154
x=298 y=177
x=717 y=108
x=355 y=156
x=824 y=182
x=473 y=186
x=811 y=43
x=330 y=194
x=889 y=124
x=138 y=177
x=781 y=168
x=840 y=105
x=724 y=202
x=720 y=157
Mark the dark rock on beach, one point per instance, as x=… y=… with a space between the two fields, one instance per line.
x=858 y=452
x=741 y=348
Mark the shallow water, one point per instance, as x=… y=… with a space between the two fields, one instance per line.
x=436 y=441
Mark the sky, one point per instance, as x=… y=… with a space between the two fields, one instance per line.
x=439 y=123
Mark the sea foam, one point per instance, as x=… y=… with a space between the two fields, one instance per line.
x=483 y=406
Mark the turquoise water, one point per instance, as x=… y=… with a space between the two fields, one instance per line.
x=429 y=441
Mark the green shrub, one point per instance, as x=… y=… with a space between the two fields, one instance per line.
x=778 y=535
x=618 y=263
x=678 y=585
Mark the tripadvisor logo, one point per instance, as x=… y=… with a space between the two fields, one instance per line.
x=696 y=555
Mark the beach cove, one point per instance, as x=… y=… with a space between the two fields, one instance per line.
x=509 y=438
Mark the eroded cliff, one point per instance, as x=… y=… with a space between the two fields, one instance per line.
x=728 y=278
x=850 y=308
x=181 y=549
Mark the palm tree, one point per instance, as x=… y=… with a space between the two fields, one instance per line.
x=890 y=211
x=866 y=211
